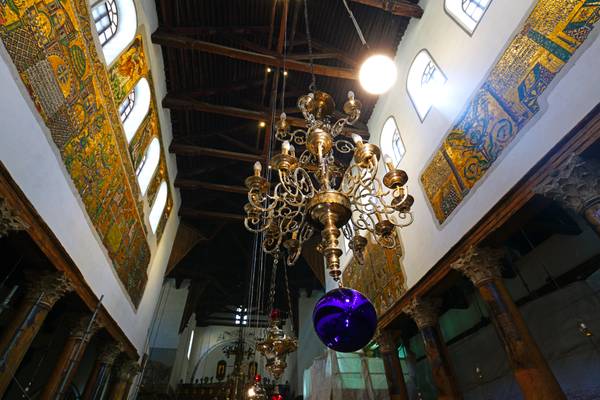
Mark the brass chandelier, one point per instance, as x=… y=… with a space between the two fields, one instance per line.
x=319 y=190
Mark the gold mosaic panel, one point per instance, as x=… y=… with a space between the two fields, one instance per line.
x=507 y=100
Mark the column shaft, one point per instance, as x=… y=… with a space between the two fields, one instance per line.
x=97 y=381
x=394 y=376
x=437 y=354
x=530 y=369
x=18 y=337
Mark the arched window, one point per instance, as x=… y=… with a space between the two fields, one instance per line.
x=106 y=19
x=467 y=13
x=138 y=100
x=158 y=207
x=391 y=142
x=127 y=106
x=116 y=24
x=145 y=171
x=424 y=82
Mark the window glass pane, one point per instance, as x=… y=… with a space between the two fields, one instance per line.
x=140 y=108
x=159 y=206
x=390 y=142
x=424 y=83
x=105 y=19
x=127 y=106
x=467 y=13
x=148 y=165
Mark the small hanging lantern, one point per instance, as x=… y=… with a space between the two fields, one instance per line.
x=276 y=346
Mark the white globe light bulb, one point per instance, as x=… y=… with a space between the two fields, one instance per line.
x=378 y=74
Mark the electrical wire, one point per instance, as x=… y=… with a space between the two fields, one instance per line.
x=356 y=26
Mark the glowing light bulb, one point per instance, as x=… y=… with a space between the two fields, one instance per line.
x=269 y=69
x=262 y=124
x=378 y=74
x=285 y=147
x=285 y=73
x=251 y=392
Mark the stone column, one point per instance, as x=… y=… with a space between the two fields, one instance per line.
x=576 y=185
x=70 y=357
x=393 y=368
x=43 y=291
x=425 y=314
x=8 y=220
x=98 y=379
x=126 y=371
x=531 y=371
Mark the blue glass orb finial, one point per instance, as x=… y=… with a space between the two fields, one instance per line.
x=344 y=320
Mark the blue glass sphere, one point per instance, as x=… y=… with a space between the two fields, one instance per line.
x=344 y=320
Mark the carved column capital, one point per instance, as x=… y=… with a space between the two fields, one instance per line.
x=423 y=311
x=386 y=341
x=575 y=184
x=479 y=264
x=128 y=369
x=48 y=287
x=8 y=220
x=110 y=352
x=79 y=324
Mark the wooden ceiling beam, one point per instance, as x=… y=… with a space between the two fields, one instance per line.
x=217 y=30
x=203 y=214
x=194 y=184
x=164 y=38
x=198 y=151
x=401 y=8
x=175 y=101
x=233 y=87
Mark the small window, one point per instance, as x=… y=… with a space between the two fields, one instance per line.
x=391 y=142
x=116 y=25
x=145 y=171
x=138 y=102
x=158 y=207
x=127 y=106
x=424 y=83
x=106 y=19
x=467 y=13
x=241 y=316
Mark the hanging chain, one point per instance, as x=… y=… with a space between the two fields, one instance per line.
x=289 y=297
x=273 y=279
x=313 y=84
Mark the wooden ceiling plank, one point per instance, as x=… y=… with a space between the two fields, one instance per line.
x=185 y=240
x=216 y=30
x=164 y=38
x=193 y=184
x=174 y=101
x=198 y=151
x=399 y=8
x=203 y=214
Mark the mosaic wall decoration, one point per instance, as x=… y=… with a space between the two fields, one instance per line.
x=507 y=100
x=125 y=73
x=51 y=45
x=381 y=278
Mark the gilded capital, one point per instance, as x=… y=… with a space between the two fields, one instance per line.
x=575 y=184
x=423 y=311
x=8 y=220
x=479 y=264
x=110 y=352
x=46 y=287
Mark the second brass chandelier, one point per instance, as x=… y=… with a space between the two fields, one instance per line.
x=319 y=189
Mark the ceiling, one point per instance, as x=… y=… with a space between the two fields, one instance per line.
x=224 y=68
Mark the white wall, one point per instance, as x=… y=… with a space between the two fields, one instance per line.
x=27 y=151
x=466 y=61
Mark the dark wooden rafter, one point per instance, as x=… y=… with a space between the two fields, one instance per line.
x=164 y=38
x=194 y=184
x=233 y=87
x=198 y=151
x=400 y=8
x=217 y=30
x=189 y=103
x=204 y=214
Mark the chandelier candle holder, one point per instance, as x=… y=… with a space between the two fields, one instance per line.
x=317 y=191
